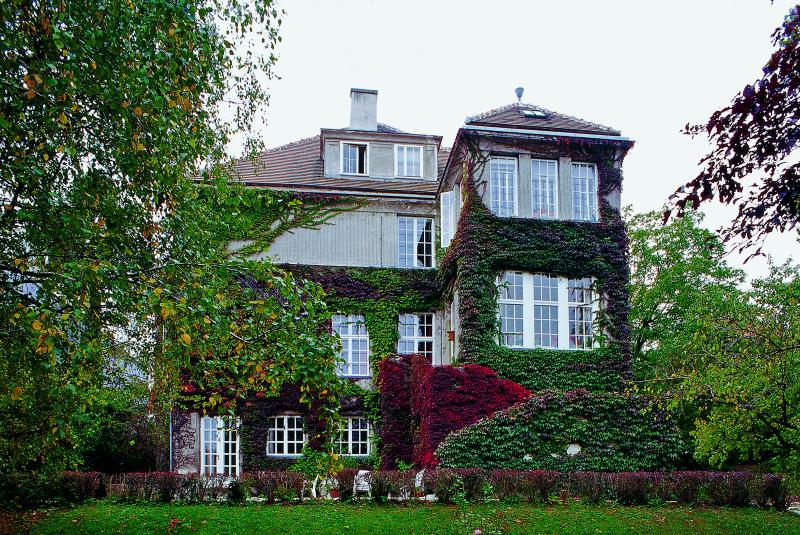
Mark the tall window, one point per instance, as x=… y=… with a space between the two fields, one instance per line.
x=544 y=188
x=415 y=242
x=545 y=311
x=408 y=161
x=416 y=335
x=219 y=446
x=448 y=217
x=285 y=436
x=511 y=306
x=354 y=159
x=584 y=192
x=541 y=310
x=354 y=436
x=503 y=186
x=354 y=357
x=580 y=313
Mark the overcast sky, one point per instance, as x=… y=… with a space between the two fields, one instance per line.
x=645 y=68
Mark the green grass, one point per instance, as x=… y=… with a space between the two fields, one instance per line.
x=338 y=519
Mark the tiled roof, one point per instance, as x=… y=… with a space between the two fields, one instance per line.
x=297 y=166
x=511 y=116
x=444 y=155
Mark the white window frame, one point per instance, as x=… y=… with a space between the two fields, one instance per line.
x=346 y=364
x=564 y=305
x=538 y=179
x=493 y=187
x=346 y=437
x=591 y=197
x=285 y=442
x=397 y=150
x=414 y=321
x=366 y=157
x=417 y=223
x=511 y=300
x=447 y=217
x=215 y=434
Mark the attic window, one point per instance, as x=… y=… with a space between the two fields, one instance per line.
x=533 y=114
x=354 y=158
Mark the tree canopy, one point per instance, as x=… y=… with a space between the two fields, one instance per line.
x=114 y=121
x=754 y=138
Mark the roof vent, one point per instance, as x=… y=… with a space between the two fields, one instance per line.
x=519 y=91
x=533 y=114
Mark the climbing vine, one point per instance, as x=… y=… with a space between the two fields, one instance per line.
x=485 y=245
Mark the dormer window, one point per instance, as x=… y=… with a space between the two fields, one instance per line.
x=354 y=158
x=408 y=161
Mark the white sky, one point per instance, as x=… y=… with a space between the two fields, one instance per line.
x=645 y=68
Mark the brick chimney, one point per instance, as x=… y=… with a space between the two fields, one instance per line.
x=364 y=109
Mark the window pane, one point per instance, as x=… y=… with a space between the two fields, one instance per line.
x=511 y=325
x=584 y=192
x=544 y=184
x=502 y=183
x=416 y=334
x=415 y=242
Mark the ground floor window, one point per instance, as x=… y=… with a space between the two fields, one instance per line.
x=219 y=446
x=285 y=436
x=354 y=436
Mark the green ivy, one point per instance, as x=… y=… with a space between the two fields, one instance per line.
x=485 y=245
x=616 y=432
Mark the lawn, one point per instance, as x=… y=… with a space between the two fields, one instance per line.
x=335 y=519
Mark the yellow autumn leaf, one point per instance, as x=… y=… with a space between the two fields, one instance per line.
x=16 y=394
x=206 y=320
x=186 y=339
x=37 y=325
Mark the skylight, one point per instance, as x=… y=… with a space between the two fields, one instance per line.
x=534 y=114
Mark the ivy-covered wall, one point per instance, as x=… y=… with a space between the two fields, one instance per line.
x=615 y=431
x=486 y=245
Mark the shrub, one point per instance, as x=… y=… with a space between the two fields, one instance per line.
x=538 y=485
x=448 y=398
x=396 y=423
x=475 y=484
x=592 y=487
x=616 y=432
x=507 y=484
x=346 y=479
x=236 y=492
x=445 y=484
x=77 y=487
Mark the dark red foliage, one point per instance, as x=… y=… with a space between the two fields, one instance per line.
x=447 y=398
x=755 y=137
x=396 y=429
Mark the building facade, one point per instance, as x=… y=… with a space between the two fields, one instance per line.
x=505 y=251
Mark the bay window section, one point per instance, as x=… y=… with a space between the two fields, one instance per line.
x=415 y=242
x=354 y=436
x=584 y=192
x=503 y=186
x=285 y=436
x=219 y=446
x=416 y=335
x=544 y=311
x=354 y=355
x=544 y=188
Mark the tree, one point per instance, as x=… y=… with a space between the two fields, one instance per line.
x=678 y=274
x=110 y=114
x=744 y=366
x=755 y=136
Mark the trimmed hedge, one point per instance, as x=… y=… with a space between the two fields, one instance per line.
x=731 y=489
x=616 y=432
x=396 y=431
x=448 y=485
x=27 y=490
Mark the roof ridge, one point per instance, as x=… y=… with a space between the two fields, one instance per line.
x=528 y=105
x=290 y=144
